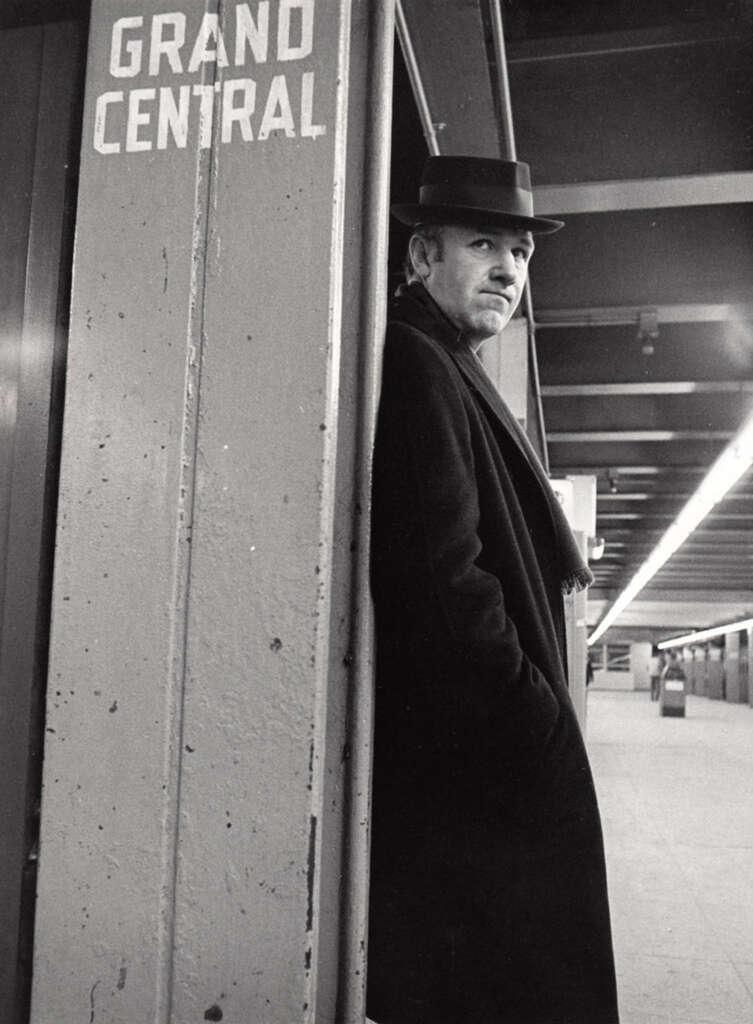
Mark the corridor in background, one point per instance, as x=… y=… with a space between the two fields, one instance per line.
x=677 y=810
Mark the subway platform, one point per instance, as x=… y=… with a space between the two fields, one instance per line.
x=676 y=797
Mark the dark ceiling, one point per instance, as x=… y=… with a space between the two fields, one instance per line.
x=644 y=303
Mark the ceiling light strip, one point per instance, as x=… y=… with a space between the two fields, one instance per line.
x=726 y=471
x=706 y=634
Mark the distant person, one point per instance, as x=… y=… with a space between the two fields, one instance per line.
x=674 y=669
x=673 y=686
x=589 y=672
x=656 y=666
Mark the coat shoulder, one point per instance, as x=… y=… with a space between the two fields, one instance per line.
x=417 y=357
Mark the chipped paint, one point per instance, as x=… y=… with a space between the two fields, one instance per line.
x=92 y=990
x=310 y=874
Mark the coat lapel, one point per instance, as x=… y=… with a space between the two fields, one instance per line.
x=414 y=305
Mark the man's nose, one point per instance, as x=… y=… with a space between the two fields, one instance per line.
x=505 y=268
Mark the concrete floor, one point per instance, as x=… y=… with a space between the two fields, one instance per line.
x=676 y=797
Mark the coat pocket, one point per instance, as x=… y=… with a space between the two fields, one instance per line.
x=531 y=721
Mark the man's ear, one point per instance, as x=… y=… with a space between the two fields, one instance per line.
x=420 y=256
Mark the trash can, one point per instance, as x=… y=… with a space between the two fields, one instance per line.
x=673 y=690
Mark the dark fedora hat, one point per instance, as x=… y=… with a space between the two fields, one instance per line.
x=475 y=189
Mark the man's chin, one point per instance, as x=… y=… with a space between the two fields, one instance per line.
x=490 y=324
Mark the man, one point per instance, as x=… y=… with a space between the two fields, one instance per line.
x=488 y=893
x=655 y=669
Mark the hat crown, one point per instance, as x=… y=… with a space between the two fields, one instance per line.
x=476 y=170
x=473 y=189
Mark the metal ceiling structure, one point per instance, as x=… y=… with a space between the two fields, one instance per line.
x=636 y=122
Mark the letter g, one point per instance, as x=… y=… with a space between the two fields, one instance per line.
x=132 y=47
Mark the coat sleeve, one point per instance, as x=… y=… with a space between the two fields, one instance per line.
x=426 y=527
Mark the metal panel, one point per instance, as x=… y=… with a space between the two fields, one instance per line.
x=613 y=43
x=619 y=436
x=670 y=387
x=645 y=194
x=691 y=312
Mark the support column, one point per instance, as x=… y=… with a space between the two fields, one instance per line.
x=700 y=682
x=732 y=667
x=206 y=776
x=505 y=359
x=714 y=672
x=640 y=665
x=687 y=664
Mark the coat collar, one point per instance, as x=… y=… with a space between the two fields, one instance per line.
x=414 y=305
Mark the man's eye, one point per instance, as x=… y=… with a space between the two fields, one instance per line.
x=483 y=244
x=521 y=253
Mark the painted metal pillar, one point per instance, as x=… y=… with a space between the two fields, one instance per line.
x=505 y=359
x=714 y=672
x=699 y=670
x=732 y=667
x=206 y=770
x=640 y=665
x=686 y=659
x=577 y=495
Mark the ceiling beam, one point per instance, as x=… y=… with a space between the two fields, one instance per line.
x=645 y=193
x=612 y=563
x=612 y=534
x=622 y=472
x=617 y=43
x=662 y=496
x=669 y=387
x=619 y=436
x=699 y=547
x=628 y=516
x=609 y=565
x=651 y=594
x=671 y=608
x=673 y=313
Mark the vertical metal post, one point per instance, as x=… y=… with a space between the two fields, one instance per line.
x=503 y=81
x=414 y=74
x=509 y=153
x=364 y=320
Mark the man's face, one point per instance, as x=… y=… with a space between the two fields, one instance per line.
x=479 y=282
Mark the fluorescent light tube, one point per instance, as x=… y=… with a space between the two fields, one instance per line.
x=706 y=634
x=726 y=471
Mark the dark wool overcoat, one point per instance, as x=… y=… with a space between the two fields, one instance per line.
x=488 y=888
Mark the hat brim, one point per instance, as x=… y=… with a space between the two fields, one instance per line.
x=414 y=213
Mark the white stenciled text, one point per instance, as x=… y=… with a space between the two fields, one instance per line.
x=230 y=106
